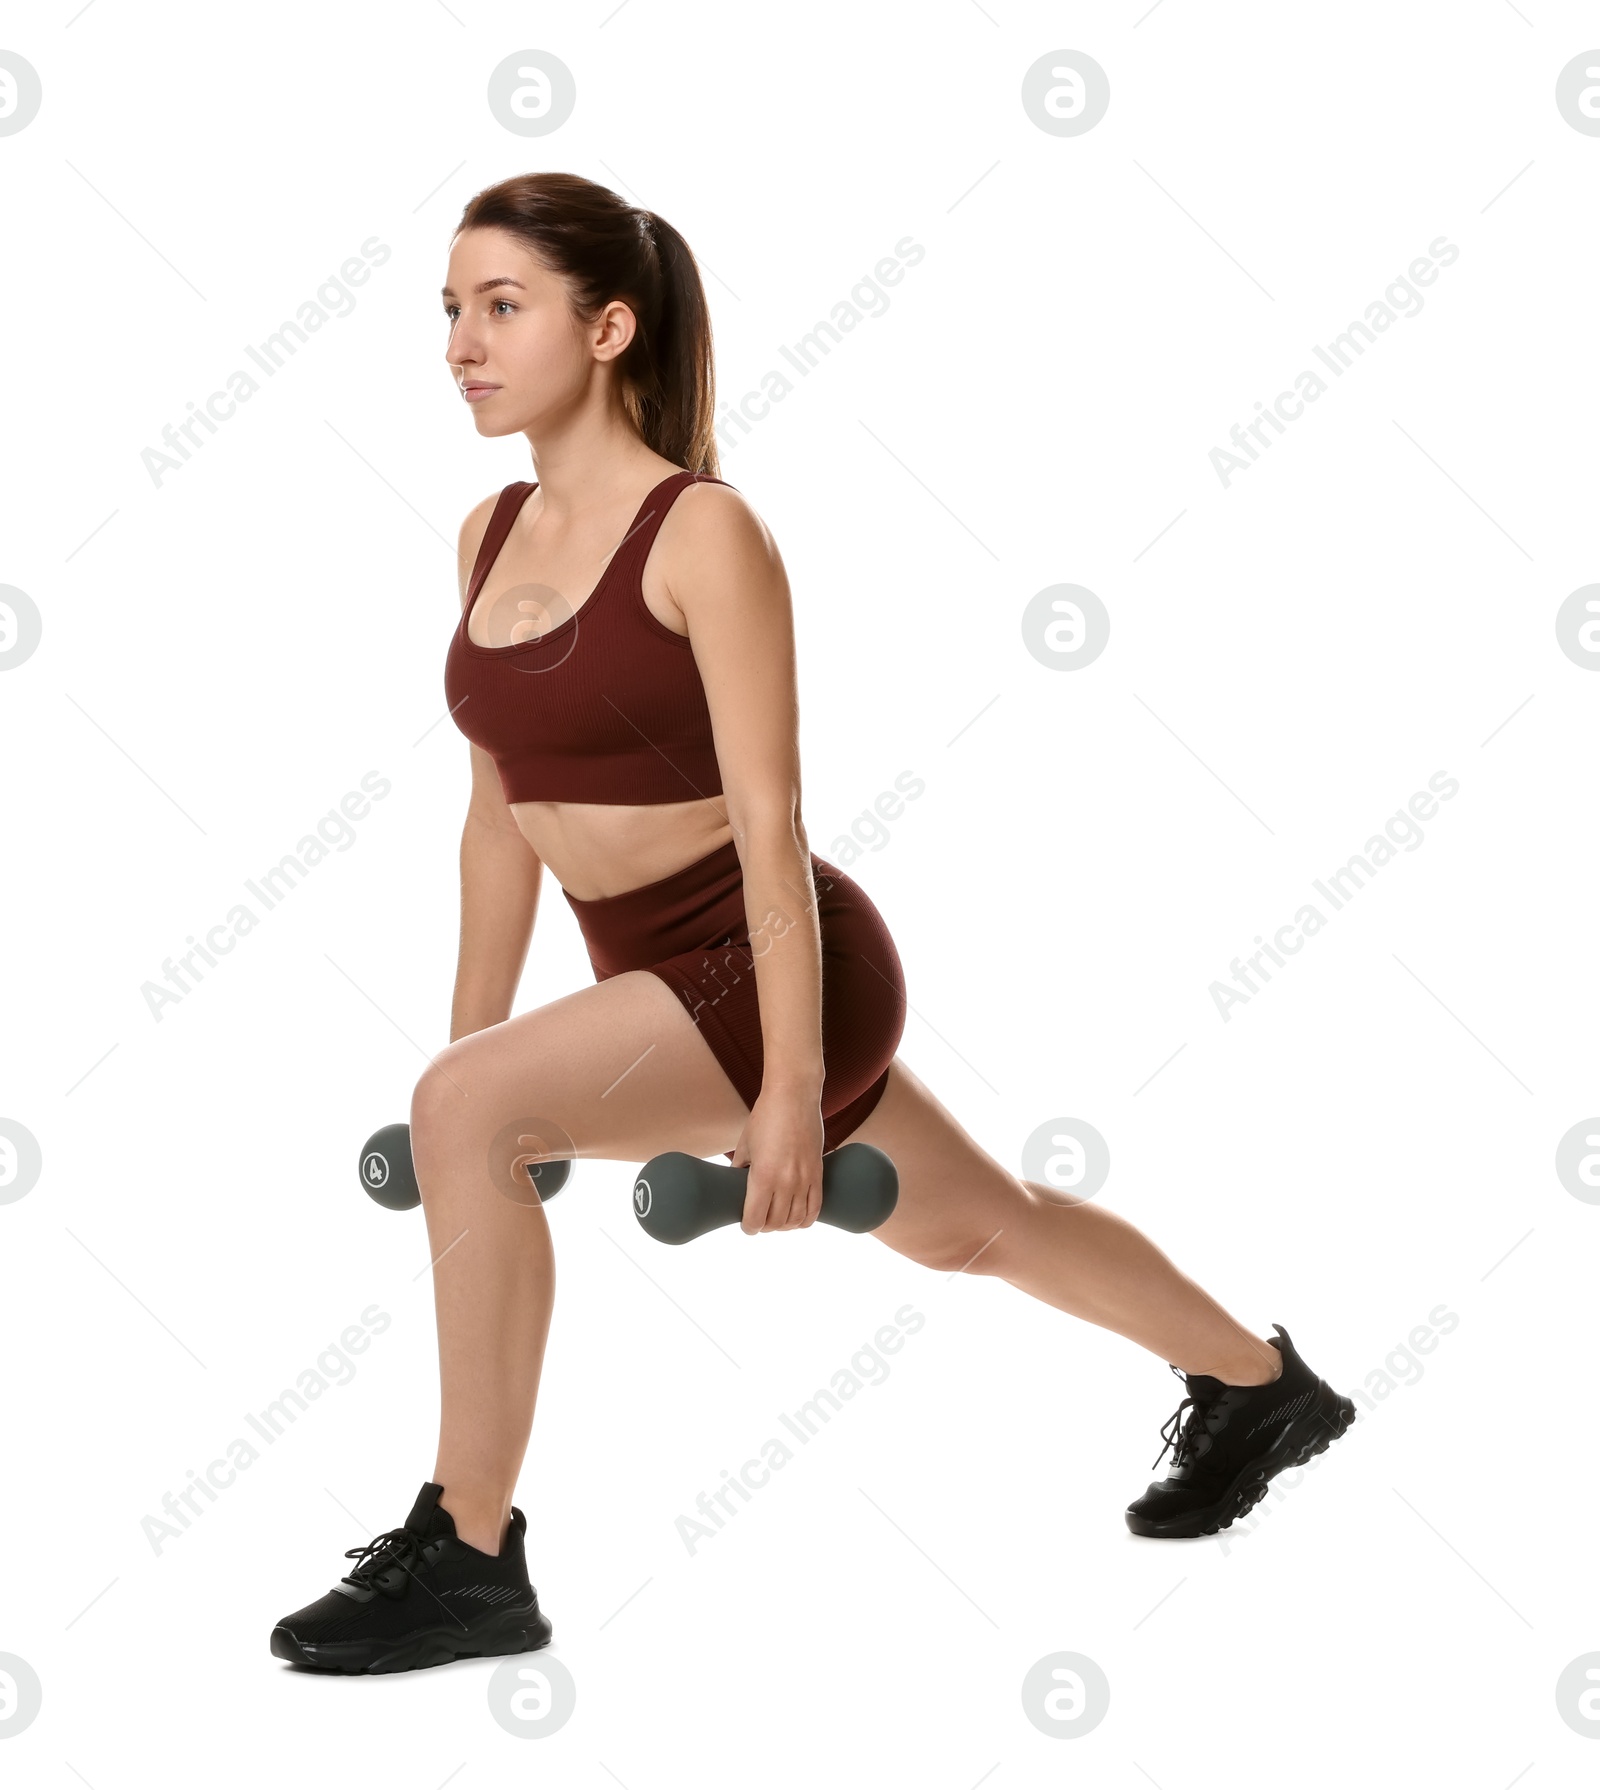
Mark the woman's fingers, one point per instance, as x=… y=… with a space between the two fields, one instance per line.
x=779 y=1203
x=795 y=1204
x=757 y=1204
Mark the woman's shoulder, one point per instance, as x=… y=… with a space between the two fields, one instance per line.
x=712 y=517
x=717 y=556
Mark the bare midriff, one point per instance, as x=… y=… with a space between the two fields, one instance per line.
x=595 y=849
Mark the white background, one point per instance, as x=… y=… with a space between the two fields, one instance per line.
x=225 y=654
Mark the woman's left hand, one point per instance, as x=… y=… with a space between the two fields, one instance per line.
x=782 y=1144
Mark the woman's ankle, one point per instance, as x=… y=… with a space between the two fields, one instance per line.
x=1259 y=1363
x=481 y=1519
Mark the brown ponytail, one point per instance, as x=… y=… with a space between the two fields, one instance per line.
x=608 y=250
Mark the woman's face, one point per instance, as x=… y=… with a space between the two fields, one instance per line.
x=515 y=350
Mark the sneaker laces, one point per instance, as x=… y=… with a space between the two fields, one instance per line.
x=1181 y=1432
x=395 y=1547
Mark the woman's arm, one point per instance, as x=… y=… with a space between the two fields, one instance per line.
x=500 y=872
x=500 y=879
x=724 y=572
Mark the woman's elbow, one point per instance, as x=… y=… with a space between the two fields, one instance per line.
x=767 y=817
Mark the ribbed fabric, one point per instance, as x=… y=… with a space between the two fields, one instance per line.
x=607 y=706
x=689 y=929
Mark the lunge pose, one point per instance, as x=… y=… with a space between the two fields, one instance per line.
x=623 y=667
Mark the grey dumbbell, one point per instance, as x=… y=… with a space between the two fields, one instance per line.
x=677 y=1198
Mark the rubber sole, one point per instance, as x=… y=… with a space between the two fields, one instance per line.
x=510 y=1631
x=1307 y=1435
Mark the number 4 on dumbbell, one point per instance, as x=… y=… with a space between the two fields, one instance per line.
x=388 y=1176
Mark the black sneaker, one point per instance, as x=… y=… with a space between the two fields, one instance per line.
x=419 y=1596
x=1233 y=1440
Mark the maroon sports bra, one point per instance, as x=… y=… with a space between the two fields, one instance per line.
x=606 y=706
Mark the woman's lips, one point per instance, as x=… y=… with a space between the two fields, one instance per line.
x=473 y=390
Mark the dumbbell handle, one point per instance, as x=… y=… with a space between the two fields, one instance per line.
x=677 y=1198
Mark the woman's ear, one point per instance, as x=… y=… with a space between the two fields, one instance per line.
x=615 y=329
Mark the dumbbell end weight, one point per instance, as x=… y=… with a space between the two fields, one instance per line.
x=386 y=1171
x=864 y=1190
x=676 y=1199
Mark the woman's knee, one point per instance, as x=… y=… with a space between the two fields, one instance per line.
x=951 y=1252
x=980 y=1239
x=440 y=1104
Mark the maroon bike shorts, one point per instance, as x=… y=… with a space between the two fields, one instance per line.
x=690 y=930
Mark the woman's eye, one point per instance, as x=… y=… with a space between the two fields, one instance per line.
x=451 y=312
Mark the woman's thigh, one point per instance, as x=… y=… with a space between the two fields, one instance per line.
x=957 y=1203
x=615 y=1070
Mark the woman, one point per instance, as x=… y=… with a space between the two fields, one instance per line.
x=624 y=667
